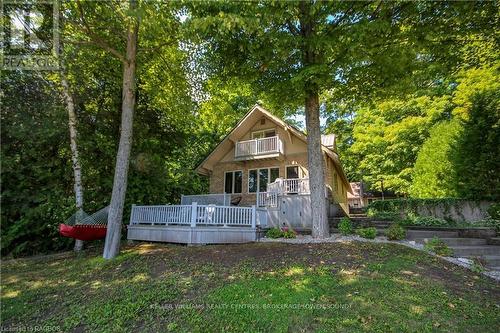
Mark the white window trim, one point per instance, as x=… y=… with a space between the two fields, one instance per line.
x=258 y=178
x=232 y=188
x=263 y=131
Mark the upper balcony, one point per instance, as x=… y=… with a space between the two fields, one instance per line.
x=259 y=148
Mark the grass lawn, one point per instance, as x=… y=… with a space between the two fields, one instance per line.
x=248 y=288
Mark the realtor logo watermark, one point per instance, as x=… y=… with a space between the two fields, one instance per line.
x=29 y=34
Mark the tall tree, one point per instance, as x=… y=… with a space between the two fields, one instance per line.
x=112 y=17
x=297 y=50
x=73 y=138
x=113 y=235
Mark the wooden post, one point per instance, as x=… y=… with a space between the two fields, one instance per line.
x=194 y=210
x=254 y=216
x=131 y=214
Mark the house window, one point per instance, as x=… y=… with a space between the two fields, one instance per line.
x=252 y=181
x=233 y=181
x=263 y=134
x=292 y=172
x=259 y=178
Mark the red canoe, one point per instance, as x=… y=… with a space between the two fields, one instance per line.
x=84 y=232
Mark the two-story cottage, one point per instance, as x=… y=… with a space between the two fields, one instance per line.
x=258 y=178
x=263 y=162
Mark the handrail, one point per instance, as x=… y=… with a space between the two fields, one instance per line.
x=290 y=185
x=268 y=145
x=196 y=215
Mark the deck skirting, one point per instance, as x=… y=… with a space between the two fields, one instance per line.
x=189 y=235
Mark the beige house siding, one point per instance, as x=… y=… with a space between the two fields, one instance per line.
x=217 y=176
x=222 y=159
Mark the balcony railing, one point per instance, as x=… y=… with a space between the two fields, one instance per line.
x=292 y=185
x=257 y=147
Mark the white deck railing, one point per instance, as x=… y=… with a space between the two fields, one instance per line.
x=292 y=185
x=267 y=199
x=259 y=147
x=198 y=215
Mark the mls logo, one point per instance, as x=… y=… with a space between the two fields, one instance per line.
x=29 y=34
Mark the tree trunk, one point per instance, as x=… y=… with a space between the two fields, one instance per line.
x=320 y=228
x=316 y=168
x=77 y=169
x=113 y=235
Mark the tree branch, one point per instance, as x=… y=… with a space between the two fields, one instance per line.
x=95 y=38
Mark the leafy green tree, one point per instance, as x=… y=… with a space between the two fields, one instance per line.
x=477 y=151
x=388 y=138
x=433 y=173
x=297 y=50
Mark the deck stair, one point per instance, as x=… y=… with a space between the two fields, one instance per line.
x=361 y=221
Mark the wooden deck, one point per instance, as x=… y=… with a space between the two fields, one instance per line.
x=196 y=224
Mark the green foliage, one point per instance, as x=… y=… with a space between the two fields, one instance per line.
x=425 y=221
x=431 y=174
x=489 y=223
x=274 y=233
x=406 y=209
x=477 y=265
x=383 y=215
x=369 y=233
x=37 y=191
x=494 y=211
x=477 y=153
x=433 y=143
x=439 y=247
x=281 y=233
x=395 y=232
x=388 y=136
x=345 y=226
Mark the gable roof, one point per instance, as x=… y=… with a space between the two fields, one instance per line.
x=240 y=129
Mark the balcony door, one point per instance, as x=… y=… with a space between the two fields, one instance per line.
x=263 y=134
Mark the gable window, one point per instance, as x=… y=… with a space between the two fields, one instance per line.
x=263 y=134
x=259 y=178
x=233 y=181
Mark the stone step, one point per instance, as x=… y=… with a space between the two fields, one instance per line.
x=380 y=231
x=455 y=241
x=477 y=250
x=492 y=260
x=494 y=241
x=413 y=234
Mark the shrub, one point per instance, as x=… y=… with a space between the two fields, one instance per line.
x=396 y=232
x=383 y=215
x=477 y=265
x=494 y=211
x=439 y=247
x=289 y=234
x=274 y=233
x=431 y=221
x=345 y=226
x=427 y=221
x=369 y=233
x=494 y=223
